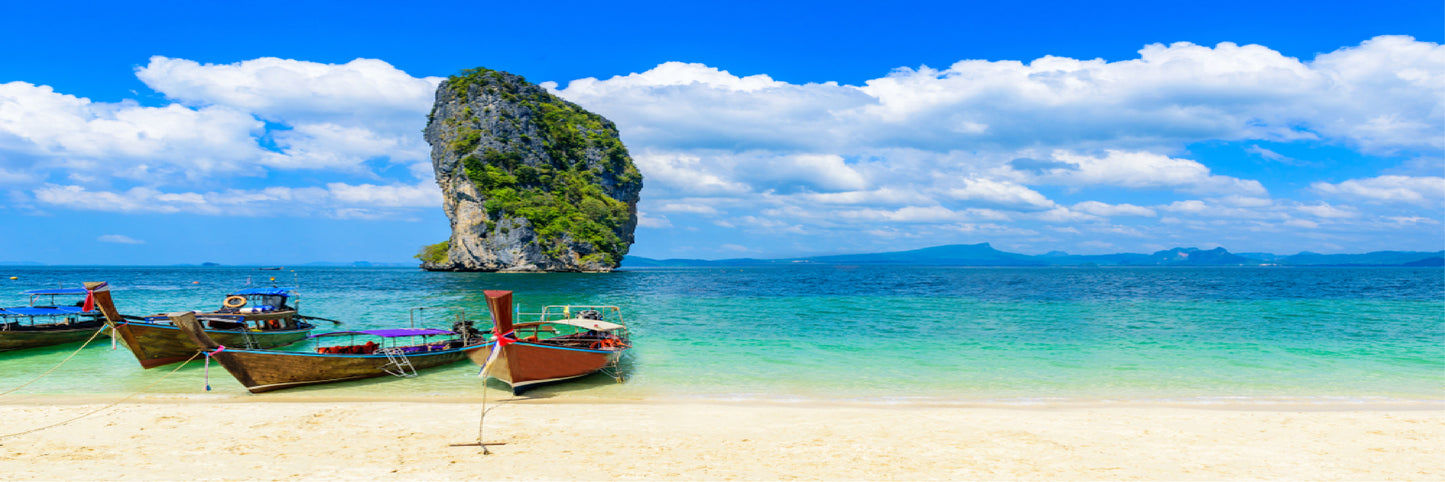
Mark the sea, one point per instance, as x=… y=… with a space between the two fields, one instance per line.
x=1297 y=336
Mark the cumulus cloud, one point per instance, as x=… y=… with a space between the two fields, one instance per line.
x=340 y=114
x=228 y=123
x=294 y=91
x=981 y=147
x=1145 y=170
x=1382 y=94
x=42 y=130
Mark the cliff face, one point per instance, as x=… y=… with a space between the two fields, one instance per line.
x=530 y=182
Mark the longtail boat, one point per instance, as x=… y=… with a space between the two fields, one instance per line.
x=50 y=324
x=565 y=342
x=249 y=318
x=397 y=354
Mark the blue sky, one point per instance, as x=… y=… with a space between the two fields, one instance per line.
x=280 y=133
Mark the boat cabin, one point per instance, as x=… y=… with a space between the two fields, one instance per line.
x=595 y=327
x=259 y=300
x=399 y=340
x=45 y=312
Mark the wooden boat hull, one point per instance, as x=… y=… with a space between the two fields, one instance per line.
x=20 y=339
x=156 y=344
x=526 y=365
x=264 y=371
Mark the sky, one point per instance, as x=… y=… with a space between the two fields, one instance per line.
x=274 y=133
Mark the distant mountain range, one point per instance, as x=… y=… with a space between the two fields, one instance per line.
x=985 y=255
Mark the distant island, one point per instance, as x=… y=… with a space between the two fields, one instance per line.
x=984 y=255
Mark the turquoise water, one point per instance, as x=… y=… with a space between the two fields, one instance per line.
x=857 y=333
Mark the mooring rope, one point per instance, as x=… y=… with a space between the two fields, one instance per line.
x=62 y=362
x=107 y=407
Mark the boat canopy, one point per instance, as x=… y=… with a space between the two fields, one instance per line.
x=598 y=325
x=56 y=291
x=291 y=292
x=44 y=311
x=390 y=333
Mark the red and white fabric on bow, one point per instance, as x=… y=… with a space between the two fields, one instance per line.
x=504 y=339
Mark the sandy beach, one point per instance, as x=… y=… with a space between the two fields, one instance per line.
x=233 y=439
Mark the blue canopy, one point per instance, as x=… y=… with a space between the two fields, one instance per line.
x=389 y=333
x=57 y=291
x=44 y=311
x=267 y=291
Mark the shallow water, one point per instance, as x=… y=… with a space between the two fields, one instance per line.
x=869 y=333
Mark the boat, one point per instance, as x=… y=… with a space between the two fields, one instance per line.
x=249 y=318
x=54 y=323
x=336 y=356
x=566 y=342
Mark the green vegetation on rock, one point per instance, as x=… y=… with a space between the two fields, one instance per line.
x=434 y=254
x=553 y=180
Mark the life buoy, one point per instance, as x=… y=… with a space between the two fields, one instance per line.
x=235 y=301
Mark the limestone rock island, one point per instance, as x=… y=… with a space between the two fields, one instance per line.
x=530 y=182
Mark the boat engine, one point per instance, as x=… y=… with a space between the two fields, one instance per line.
x=467 y=329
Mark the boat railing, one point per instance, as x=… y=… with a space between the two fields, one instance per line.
x=562 y=312
x=419 y=312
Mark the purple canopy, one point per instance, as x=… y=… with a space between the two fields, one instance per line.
x=389 y=333
x=45 y=311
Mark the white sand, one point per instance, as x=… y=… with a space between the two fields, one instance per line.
x=237 y=439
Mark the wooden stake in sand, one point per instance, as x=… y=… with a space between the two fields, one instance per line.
x=482 y=423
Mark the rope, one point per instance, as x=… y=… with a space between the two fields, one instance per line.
x=62 y=362
x=107 y=407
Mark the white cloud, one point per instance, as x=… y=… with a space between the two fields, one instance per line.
x=885 y=195
x=819 y=171
x=1428 y=191
x=687 y=207
x=1192 y=206
x=1000 y=193
x=341 y=114
x=424 y=194
x=360 y=201
x=967 y=148
x=684 y=173
x=1383 y=94
x=908 y=146
x=646 y=221
x=1062 y=214
x=334 y=119
x=41 y=130
x=1145 y=170
x=1324 y=210
x=118 y=239
x=294 y=91
x=908 y=214
x=1101 y=209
